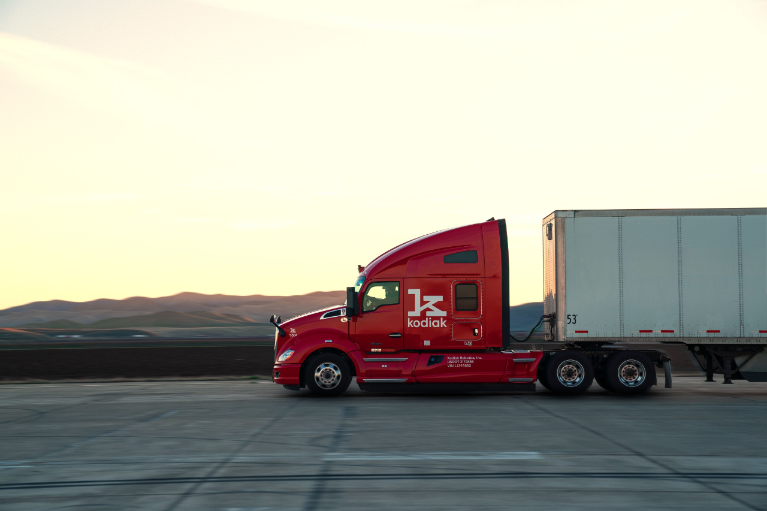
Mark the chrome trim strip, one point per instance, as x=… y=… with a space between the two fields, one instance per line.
x=341 y=315
x=385 y=359
x=518 y=380
x=523 y=360
x=385 y=380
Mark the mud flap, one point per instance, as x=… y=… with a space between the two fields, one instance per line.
x=667 y=372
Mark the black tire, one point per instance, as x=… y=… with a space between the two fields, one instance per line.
x=569 y=372
x=542 y=372
x=602 y=382
x=629 y=372
x=327 y=374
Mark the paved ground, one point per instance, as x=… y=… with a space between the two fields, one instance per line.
x=241 y=445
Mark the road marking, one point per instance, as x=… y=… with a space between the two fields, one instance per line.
x=418 y=456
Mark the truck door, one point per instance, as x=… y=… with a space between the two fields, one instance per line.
x=378 y=326
x=467 y=313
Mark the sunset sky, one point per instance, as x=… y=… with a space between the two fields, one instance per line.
x=150 y=147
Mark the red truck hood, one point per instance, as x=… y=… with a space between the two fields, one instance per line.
x=308 y=318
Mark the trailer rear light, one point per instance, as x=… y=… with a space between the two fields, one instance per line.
x=713 y=331
x=763 y=331
x=581 y=331
x=667 y=331
x=645 y=331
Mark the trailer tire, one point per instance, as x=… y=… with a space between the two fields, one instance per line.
x=327 y=374
x=569 y=372
x=629 y=372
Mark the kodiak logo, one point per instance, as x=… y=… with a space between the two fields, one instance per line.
x=433 y=311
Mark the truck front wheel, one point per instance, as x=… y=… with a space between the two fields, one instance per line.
x=568 y=372
x=629 y=372
x=328 y=374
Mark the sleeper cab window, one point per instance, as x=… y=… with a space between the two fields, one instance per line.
x=379 y=294
x=466 y=297
x=467 y=256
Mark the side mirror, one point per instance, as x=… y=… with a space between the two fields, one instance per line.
x=276 y=322
x=351 y=302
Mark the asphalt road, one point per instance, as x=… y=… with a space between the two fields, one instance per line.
x=239 y=445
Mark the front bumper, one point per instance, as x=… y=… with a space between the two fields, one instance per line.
x=287 y=374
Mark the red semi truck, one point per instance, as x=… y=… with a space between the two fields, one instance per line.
x=433 y=314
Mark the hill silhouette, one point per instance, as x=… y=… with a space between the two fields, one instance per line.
x=158 y=319
x=56 y=323
x=14 y=334
x=254 y=307
x=195 y=309
x=525 y=316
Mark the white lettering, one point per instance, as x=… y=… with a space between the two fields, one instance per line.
x=425 y=323
x=430 y=301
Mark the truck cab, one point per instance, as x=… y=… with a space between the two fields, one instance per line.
x=426 y=314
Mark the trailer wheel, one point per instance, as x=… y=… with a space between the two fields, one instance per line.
x=629 y=372
x=569 y=372
x=328 y=374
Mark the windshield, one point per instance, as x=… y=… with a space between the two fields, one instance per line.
x=358 y=284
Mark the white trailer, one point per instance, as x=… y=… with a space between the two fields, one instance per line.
x=691 y=276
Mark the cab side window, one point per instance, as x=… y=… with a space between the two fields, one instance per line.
x=379 y=294
x=466 y=297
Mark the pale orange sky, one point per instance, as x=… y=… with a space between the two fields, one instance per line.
x=241 y=147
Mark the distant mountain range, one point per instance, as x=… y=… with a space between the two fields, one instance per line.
x=194 y=310
x=167 y=319
x=256 y=308
x=525 y=316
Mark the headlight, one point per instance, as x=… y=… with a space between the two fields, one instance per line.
x=285 y=355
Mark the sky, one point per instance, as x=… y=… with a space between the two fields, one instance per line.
x=150 y=147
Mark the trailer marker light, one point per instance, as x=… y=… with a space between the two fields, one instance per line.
x=713 y=331
x=667 y=331
x=645 y=331
x=581 y=331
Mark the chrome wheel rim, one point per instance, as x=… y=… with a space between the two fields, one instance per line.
x=631 y=373
x=570 y=373
x=327 y=375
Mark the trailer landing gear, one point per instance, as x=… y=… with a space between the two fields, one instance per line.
x=726 y=360
x=709 y=367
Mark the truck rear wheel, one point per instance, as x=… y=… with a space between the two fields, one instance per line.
x=542 y=378
x=327 y=374
x=602 y=382
x=629 y=372
x=568 y=372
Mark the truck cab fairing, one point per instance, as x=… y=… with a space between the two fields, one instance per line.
x=444 y=294
x=436 y=268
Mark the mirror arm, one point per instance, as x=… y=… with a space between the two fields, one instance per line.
x=276 y=322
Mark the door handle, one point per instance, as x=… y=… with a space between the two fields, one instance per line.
x=395 y=335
